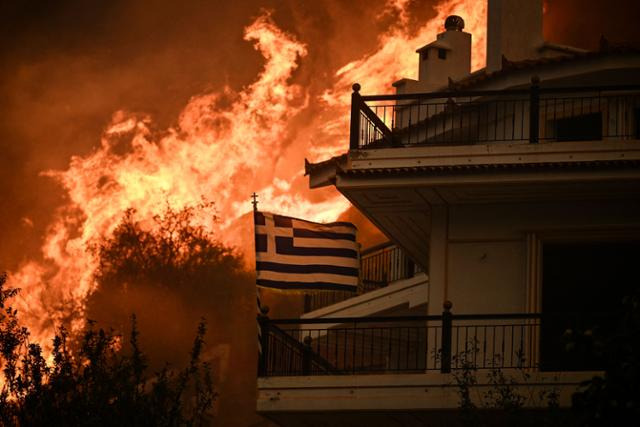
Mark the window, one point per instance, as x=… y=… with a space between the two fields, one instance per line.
x=586 y=127
x=637 y=118
x=442 y=53
x=424 y=55
x=581 y=281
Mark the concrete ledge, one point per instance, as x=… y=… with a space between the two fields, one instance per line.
x=407 y=392
x=497 y=153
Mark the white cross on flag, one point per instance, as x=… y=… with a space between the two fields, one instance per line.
x=296 y=254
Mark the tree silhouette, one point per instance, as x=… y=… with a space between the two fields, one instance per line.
x=99 y=384
x=170 y=272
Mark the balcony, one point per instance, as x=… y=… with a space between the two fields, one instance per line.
x=402 y=370
x=530 y=115
x=423 y=344
x=380 y=265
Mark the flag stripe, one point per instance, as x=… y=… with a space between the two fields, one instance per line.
x=303 y=242
x=294 y=259
x=342 y=228
x=301 y=232
x=284 y=245
x=304 y=285
x=306 y=269
x=308 y=278
x=277 y=231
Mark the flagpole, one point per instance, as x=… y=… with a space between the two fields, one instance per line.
x=262 y=319
x=254 y=202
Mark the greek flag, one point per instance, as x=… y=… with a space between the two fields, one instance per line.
x=296 y=254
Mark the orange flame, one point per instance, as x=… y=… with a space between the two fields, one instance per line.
x=395 y=57
x=225 y=146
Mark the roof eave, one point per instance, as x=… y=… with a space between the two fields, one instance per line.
x=324 y=173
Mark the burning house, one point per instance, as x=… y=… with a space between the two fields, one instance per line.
x=510 y=197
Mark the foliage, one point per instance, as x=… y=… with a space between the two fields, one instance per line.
x=99 y=384
x=172 y=252
x=170 y=270
x=614 y=398
x=505 y=396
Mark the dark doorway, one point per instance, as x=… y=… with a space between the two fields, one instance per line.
x=583 y=281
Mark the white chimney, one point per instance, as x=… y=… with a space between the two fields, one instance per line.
x=449 y=56
x=514 y=30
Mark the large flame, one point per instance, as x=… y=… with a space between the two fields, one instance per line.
x=225 y=146
x=396 y=58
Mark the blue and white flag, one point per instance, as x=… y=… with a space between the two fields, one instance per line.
x=296 y=254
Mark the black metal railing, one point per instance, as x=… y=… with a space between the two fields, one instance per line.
x=286 y=353
x=379 y=266
x=417 y=344
x=474 y=117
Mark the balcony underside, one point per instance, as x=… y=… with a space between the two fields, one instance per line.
x=398 y=187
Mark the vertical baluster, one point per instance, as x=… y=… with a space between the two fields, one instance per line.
x=389 y=364
x=335 y=341
x=444 y=121
x=512 y=337
x=426 y=125
x=445 y=362
x=534 y=110
x=409 y=126
x=479 y=108
x=457 y=347
x=475 y=345
x=344 y=350
x=418 y=125
x=353 y=352
x=493 y=345
x=408 y=349
x=426 y=347
x=521 y=119
x=502 y=348
x=513 y=120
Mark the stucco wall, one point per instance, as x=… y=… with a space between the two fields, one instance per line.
x=479 y=253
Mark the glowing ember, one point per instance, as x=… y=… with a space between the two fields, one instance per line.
x=225 y=146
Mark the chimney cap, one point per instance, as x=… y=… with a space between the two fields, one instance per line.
x=454 y=23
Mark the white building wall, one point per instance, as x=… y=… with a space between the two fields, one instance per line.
x=479 y=254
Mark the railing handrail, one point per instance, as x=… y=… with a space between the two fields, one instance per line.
x=417 y=318
x=480 y=93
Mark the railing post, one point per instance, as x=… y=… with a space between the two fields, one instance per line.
x=354 y=137
x=306 y=356
x=445 y=361
x=534 y=110
x=263 y=357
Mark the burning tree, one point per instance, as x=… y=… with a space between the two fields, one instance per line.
x=170 y=271
x=98 y=383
